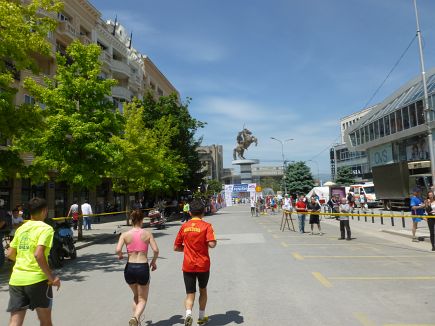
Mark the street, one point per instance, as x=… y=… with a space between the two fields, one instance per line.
x=259 y=276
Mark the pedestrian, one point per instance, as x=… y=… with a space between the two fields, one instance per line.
x=363 y=202
x=30 y=285
x=137 y=270
x=186 y=210
x=430 y=209
x=86 y=212
x=417 y=209
x=272 y=205
x=344 y=220
x=253 y=204
x=74 y=213
x=286 y=206
x=17 y=221
x=314 y=206
x=351 y=200
x=194 y=239
x=301 y=208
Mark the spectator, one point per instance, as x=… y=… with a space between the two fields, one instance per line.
x=314 y=206
x=344 y=220
x=417 y=209
x=86 y=211
x=301 y=208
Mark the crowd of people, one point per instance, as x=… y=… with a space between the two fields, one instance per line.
x=31 y=281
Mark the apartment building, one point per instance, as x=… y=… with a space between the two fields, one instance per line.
x=134 y=72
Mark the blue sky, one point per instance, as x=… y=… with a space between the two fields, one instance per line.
x=287 y=69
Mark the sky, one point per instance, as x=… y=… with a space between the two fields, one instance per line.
x=282 y=68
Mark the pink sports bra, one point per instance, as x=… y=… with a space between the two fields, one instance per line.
x=137 y=244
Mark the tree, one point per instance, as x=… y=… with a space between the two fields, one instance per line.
x=269 y=182
x=23 y=33
x=78 y=121
x=299 y=179
x=168 y=110
x=345 y=176
x=142 y=159
x=214 y=186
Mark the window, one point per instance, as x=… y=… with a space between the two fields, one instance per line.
x=399 y=124
x=393 y=123
x=405 y=117
x=387 y=125
x=376 y=126
x=159 y=91
x=420 y=113
x=381 y=127
x=358 y=137
x=371 y=132
x=412 y=115
x=29 y=100
x=352 y=139
x=366 y=134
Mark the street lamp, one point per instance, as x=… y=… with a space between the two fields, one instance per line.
x=318 y=173
x=283 y=160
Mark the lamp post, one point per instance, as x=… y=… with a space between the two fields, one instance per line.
x=283 y=160
x=318 y=173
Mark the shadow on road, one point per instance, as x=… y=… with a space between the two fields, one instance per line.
x=174 y=320
x=231 y=316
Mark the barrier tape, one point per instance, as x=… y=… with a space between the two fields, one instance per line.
x=100 y=214
x=354 y=214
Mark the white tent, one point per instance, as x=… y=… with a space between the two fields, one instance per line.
x=322 y=192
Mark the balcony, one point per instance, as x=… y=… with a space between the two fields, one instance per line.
x=37 y=78
x=120 y=69
x=67 y=29
x=135 y=81
x=105 y=58
x=121 y=93
x=85 y=40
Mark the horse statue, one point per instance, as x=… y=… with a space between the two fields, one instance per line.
x=244 y=140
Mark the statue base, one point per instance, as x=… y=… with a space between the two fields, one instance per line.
x=245 y=169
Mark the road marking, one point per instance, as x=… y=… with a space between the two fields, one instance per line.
x=363 y=319
x=329 y=244
x=322 y=279
x=297 y=256
x=383 y=278
x=367 y=257
x=284 y=244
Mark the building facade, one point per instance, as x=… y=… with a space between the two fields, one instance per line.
x=134 y=72
x=396 y=130
x=211 y=158
x=341 y=156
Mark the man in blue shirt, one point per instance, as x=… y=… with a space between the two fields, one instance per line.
x=417 y=209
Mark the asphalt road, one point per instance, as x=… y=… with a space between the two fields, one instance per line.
x=259 y=276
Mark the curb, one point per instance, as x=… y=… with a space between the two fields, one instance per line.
x=401 y=234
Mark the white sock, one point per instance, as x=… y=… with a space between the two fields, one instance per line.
x=201 y=314
x=188 y=312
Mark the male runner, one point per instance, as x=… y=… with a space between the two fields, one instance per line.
x=31 y=279
x=194 y=239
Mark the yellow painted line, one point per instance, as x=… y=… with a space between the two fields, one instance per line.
x=284 y=244
x=329 y=244
x=368 y=257
x=322 y=279
x=363 y=319
x=297 y=256
x=383 y=278
x=409 y=325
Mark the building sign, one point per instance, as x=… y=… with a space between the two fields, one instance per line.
x=418 y=150
x=381 y=155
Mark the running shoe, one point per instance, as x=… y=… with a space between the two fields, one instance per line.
x=188 y=321
x=415 y=240
x=133 y=322
x=202 y=321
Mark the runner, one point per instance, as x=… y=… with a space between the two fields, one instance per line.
x=137 y=271
x=194 y=239
x=31 y=279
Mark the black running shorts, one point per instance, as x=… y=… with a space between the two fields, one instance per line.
x=38 y=295
x=190 y=280
x=137 y=273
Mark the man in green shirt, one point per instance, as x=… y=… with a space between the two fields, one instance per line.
x=31 y=279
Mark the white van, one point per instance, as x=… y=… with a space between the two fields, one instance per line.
x=368 y=189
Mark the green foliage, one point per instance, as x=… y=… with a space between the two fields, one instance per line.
x=143 y=160
x=345 y=176
x=23 y=34
x=298 y=178
x=78 y=123
x=176 y=125
x=214 y=186
x=269 y=182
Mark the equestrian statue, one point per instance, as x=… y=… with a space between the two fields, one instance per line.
x=244 y=140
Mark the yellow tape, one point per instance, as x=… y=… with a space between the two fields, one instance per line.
x=100 y=214
x=353 y=214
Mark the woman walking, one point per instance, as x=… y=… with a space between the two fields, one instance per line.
x=137 y=271
x=430 y=209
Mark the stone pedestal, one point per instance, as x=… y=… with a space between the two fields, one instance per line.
x=245 y=169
